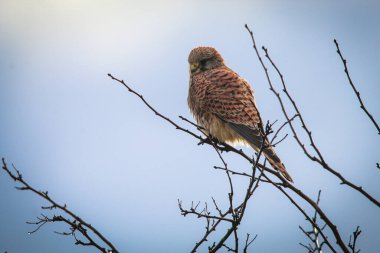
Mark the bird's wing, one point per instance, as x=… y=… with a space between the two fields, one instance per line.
x=230 y=98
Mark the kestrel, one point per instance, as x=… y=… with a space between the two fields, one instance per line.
x=223 y=104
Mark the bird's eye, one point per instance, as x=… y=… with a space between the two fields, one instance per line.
x=203 y=62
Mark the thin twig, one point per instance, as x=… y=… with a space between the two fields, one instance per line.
x=355 y=236
x=248 y=242
x=77 y=223
x=313 y=234
x=344 y=61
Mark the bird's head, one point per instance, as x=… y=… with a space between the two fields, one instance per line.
x=204 y=58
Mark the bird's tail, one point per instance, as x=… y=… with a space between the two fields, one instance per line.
x=276 y=163
x=254 y=137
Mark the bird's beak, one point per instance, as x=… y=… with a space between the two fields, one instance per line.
x=194 y=66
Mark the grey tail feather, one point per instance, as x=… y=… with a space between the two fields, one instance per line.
x=255 y=138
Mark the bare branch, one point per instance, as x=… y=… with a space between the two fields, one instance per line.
x=248 y=242
x=76 y=224
x=240 y=211
x=203 y=213
x=297 y=191
x=344 y=61
x=319 y=160
x=353 y=240
x=314 y=233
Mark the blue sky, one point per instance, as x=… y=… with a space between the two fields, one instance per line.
x=85 y=139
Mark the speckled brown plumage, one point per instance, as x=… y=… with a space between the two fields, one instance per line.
x=223 y=103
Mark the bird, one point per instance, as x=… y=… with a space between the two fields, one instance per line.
x=223 y=104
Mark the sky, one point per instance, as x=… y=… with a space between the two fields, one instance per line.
x=74 y=132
